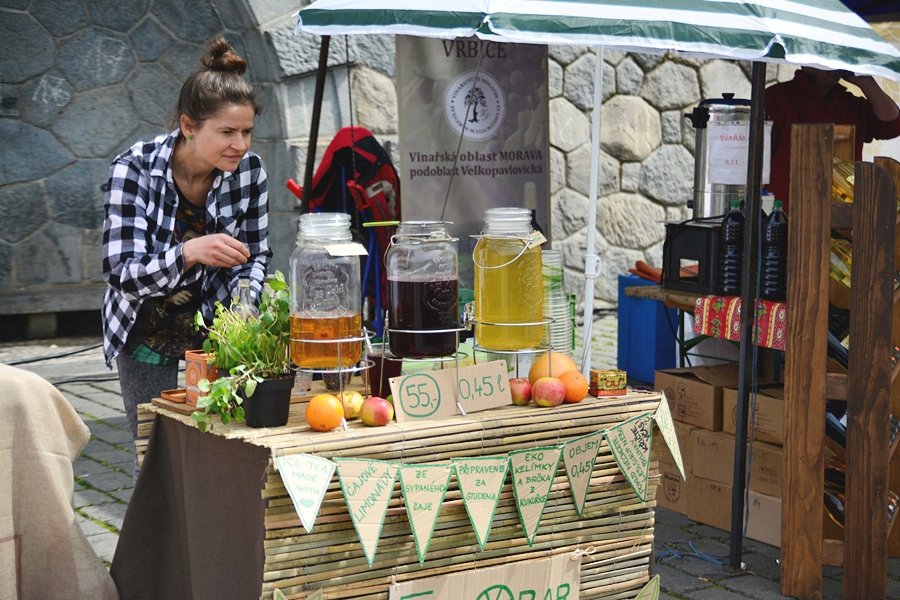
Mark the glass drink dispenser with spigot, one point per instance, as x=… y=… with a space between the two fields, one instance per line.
x=508 y=282
x=325 y=295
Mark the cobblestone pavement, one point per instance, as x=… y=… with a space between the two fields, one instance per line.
x=689 y=556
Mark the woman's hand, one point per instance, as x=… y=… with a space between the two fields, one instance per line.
x=214 y=250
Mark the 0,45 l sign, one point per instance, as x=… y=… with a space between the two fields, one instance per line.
x=430 y=394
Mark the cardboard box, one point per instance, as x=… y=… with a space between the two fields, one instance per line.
x=672 y=492
x=713 y=459
x=695 y=395
x=660 y=451
x=769 y=424
x=709 y=502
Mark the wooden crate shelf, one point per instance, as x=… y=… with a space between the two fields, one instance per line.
x=870 y=387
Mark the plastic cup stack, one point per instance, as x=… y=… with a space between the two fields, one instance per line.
x=558 y=335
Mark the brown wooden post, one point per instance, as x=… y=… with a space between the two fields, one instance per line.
x=869 y=384
x=805 y=357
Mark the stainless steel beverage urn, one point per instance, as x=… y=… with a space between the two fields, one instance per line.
x=712 y=199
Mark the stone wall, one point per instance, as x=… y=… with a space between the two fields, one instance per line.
x=81 y=81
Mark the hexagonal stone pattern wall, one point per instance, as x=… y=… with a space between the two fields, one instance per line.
x=81 y=82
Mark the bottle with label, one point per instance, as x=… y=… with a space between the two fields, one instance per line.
x=731 y=251
x=423 y=283
x=508 y=282
x=243 y=304
x=774 y=284
x=325 y=294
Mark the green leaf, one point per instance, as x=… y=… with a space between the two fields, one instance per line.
x=203 y=385
x=250 y=388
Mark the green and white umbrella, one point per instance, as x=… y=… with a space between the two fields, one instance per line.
x=820 y=33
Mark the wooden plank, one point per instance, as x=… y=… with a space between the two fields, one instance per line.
x=833 y=553
x=805 y=356
x=836 y=386
x=869 y=384
x=844 y=142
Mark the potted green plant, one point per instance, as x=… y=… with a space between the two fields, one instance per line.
x=251 y=352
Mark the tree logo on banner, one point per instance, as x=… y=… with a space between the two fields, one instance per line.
x=475 y=105
x=533 y=472
x=423 y=488
x=480 y=481
x=367 y=487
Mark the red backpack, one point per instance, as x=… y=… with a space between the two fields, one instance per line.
x=356 y=176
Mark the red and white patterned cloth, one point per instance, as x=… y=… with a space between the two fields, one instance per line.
x=720 y=316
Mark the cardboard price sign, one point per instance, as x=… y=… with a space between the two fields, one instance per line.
x=556 y=578
x=432 y=394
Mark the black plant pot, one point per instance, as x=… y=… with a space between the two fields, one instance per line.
x=270 y=403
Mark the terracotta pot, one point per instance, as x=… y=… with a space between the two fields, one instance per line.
x=270 y=403
x=197 y=367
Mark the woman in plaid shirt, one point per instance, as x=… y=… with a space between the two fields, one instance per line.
x=186 y=217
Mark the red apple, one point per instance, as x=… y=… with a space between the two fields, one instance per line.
x=376 y=411
x=520 y=390
x=548 y=391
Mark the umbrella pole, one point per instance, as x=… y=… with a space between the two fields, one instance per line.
x=749 y=294
x=592 y=261
x=317 y=113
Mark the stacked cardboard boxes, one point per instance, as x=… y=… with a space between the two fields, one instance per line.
x=703 y=401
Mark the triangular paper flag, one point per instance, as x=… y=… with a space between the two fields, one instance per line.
x=480 y=481
x=663 y=418
x=629 y=443
x=423 y=488
x=579 y=456
x=533 y=472
x=650 y=591
x=306 y=478
x=367 y=487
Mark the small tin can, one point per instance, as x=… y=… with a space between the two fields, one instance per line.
x=608 y=382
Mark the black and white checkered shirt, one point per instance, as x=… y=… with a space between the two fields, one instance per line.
x=141 y=257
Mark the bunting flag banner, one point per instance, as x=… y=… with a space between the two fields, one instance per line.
x=367 y=487
x=579 y=456
x=663 y=417
x=480 y=480
x=533 y=471
x=306 y=478
x=423 y=488
x=650 y=591
x=629 y=443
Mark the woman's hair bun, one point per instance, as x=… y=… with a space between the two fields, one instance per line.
x=222 y=58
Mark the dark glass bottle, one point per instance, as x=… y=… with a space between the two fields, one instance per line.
x=774 y=284
x=730 y=251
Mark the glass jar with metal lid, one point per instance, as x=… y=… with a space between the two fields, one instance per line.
x=325 y=294
x=423 y=282
x=508 y=282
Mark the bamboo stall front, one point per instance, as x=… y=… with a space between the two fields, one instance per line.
x=615 y=533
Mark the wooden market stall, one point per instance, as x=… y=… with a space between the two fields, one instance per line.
x=211 y=517
x=870 y=387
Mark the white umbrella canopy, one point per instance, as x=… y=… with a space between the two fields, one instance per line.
x=821 y=33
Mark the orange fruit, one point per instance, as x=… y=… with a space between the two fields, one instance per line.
x=324 y=412
x=550 y=364
x=576 y=386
